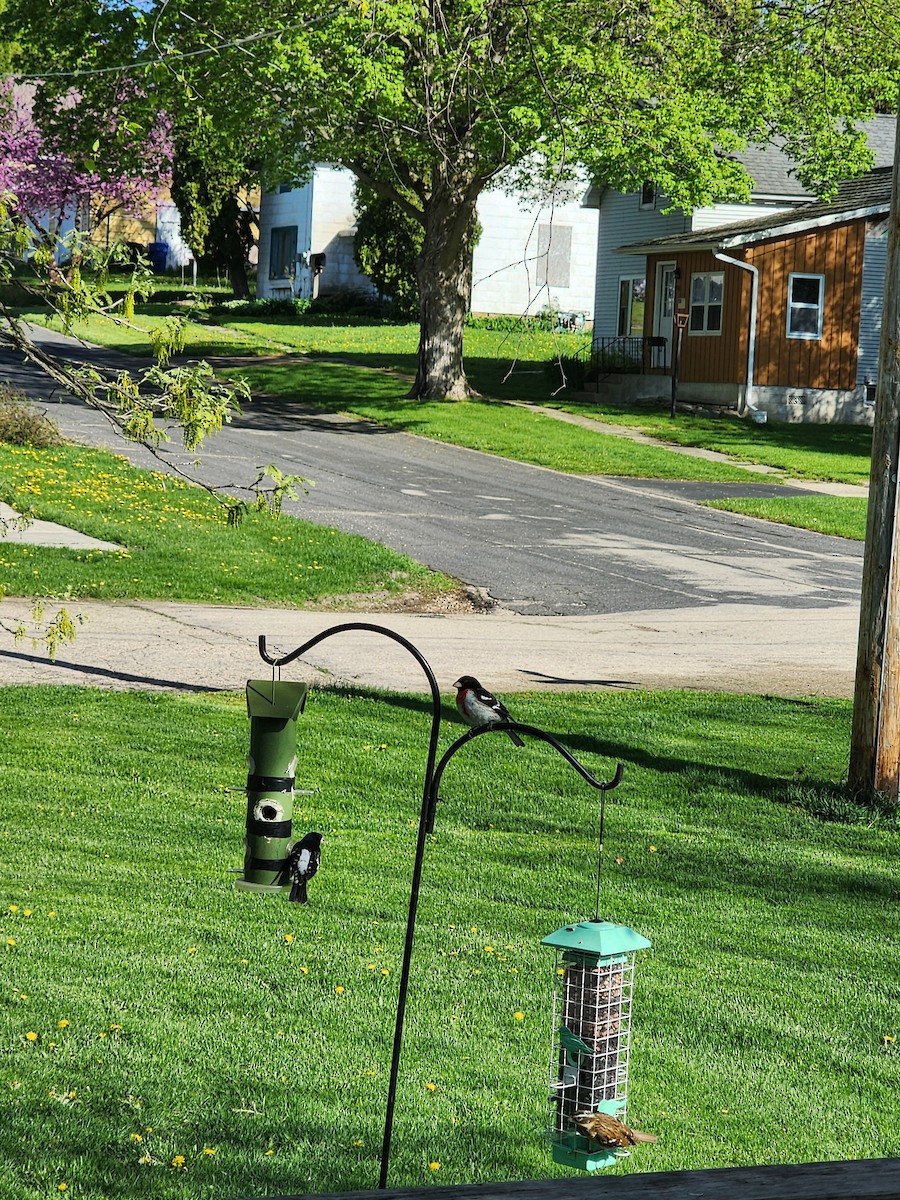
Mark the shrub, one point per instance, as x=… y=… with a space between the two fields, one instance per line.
x=22 y=424
x=568 y=371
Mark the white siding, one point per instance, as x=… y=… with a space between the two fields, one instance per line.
x=534 y=255
x=622 y=220
x=872 y=302
x=278 y=209
x=510 y=270
x=333 y=226
x=728 y=214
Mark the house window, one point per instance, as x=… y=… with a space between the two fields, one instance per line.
x=283 y=252
x=554 y=255
x=706 y=302
x=806 y=294
x=632 y=294
x=648 y=195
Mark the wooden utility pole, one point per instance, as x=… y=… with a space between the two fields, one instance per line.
x=875 y=743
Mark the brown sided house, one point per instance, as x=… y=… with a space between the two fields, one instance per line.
x=780 y=314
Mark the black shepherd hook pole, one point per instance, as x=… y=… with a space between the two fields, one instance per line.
x=426 y=824
x=355 y=626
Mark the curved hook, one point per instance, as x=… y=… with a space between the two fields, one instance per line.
x=503 y=727
x=367 y=627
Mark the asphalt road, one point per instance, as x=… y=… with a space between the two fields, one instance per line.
x=537 y=541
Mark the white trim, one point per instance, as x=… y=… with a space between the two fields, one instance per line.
x=749 y=399
x=818 y=308
x=705 y=332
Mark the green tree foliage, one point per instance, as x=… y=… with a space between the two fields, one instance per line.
x=386 y=246
x=429 y=102
x=216 y=221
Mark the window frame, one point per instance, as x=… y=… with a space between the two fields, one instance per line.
x=794 y=306
x=288 y=267
x=631 y=280
x=705 y=306
x=647 y=197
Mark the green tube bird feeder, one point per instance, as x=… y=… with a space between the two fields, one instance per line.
x=591 y=1041
x=273 y=707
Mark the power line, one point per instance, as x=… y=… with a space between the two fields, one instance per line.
x=169 y=58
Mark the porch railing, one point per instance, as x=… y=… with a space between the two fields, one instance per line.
x=628 y=355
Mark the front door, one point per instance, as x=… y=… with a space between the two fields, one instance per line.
x=663 y=314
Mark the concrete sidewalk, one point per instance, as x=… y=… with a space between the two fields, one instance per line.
x=185 y=647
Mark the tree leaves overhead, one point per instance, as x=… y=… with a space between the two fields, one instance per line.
x=429 y=101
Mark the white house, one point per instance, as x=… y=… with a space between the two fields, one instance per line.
x=533 y=253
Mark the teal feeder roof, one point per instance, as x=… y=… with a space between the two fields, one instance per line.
x=602 y=938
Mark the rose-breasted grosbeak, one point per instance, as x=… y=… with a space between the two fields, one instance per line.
x=608 y=1131
x=303 y=862
x=477 y=706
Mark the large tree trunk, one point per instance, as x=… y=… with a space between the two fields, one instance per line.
x=444 y=272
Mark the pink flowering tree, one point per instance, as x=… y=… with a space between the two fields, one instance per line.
x=48 y=186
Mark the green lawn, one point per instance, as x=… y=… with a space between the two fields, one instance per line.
x=835 y=453
x=175 y=541
x=166 y=1036
x=844 y=516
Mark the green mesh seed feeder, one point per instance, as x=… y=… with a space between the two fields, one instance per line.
x=591 y=1032
x=273 y=707
x=594 y=980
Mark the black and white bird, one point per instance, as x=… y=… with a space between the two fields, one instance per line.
x=477 y=706
x=303 y=862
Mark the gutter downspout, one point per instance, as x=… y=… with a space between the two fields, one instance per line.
x=749 y=402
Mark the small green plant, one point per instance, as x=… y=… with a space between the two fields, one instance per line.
x=22 y=424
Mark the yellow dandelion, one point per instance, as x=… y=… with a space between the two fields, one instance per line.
x=26 y=912
x=489 y=949
x=340 y=991
x=192 y=949
x=288 y=937
x=51 y=914
x=209 y=1151
x=137 y=1137
x=430 y=1087
x=519 y=1016
x=652 y=849
x=269 y=1152
x=31 y=1036
x=14 y=908
x=62 y=1187
x=887 y=1040
x=145 y=1160
x=63 y=1024
x=358 y=1142
x=385 y=971
x=434 y=1166
x=10 y=941
x=178 y=1160
x=304 y=970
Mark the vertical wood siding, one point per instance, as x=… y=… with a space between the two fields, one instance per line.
x=708 y=358
x=826 y=362
x=831 y=360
